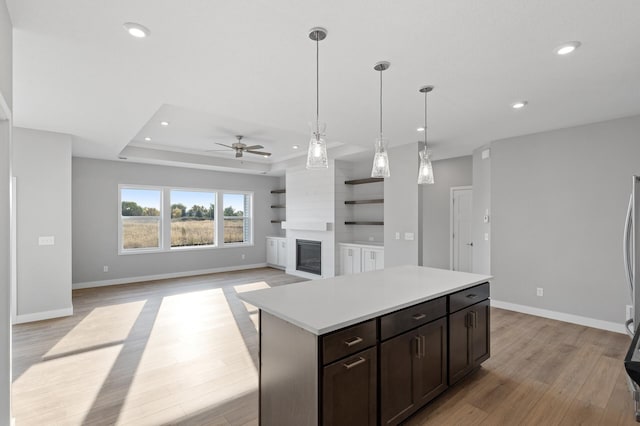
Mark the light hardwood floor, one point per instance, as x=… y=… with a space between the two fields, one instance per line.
x=184 y=351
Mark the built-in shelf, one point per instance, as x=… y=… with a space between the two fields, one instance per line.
x=376 y=201
x=278 y=191
x=362 y=181
x=278 y=206
x=363 y=223
x=276 y=221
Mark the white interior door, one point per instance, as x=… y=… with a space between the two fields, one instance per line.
x=461 y=242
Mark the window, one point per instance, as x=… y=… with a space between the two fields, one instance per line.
x=192 y=218
x=140 y=219
x=237 y=218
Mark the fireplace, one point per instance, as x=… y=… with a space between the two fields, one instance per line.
x=309 y=256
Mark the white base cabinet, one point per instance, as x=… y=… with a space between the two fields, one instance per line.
x=277 y=252
x=356 y=258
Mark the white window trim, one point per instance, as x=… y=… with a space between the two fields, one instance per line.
x=216 y=195
x=165 y=217
x=121 y=249
x=251 y=220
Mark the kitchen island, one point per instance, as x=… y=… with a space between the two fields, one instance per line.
x=369 y=348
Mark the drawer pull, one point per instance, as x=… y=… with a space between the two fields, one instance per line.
x=350 y=365
x=418 y=317
x=471 y=296
x=353 y=341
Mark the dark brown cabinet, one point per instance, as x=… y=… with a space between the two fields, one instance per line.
x=468 y=339
x=349 y=391
x=413 y=370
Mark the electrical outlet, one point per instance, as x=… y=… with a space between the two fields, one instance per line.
x=105 y=268
x=540 y=291
x=243 y=256
x=46 y=241
x=370 y=238
x=628 y=312
x=486 y=236
x=397 y=235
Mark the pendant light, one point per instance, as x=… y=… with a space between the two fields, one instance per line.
x=317 y=154
x=380 y=167
x=425 y=170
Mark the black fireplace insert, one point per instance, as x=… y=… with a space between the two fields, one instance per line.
x=309 y=256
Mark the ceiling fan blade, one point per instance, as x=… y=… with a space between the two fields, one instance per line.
x=228 y=146
x=268 y=154
x=249 y=148
x=238 y=153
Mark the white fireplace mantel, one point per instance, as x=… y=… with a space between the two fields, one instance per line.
x=307 y=226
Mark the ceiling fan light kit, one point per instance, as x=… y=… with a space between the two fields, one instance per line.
x=317 y=153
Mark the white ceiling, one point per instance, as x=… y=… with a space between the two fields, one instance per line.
x=214 y=69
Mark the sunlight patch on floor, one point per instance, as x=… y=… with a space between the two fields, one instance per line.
x=88 y=333
x=252 y=310
x=39 y=385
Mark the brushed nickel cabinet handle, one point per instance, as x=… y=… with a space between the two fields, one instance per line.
x=350 y=365
x=419 y=316
x=418 y=349
x=353 y=341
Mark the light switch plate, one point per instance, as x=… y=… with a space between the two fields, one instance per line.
x=486 y=236
x=408 y=236
x=46 y=241
x=397 y=235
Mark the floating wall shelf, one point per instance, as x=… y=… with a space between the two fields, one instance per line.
x=363 y=223
x=276 y=221
x=278 y=206
x=278 y=191
x=363 y=181
x=376 y=201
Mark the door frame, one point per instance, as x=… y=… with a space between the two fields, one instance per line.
x=451 y=192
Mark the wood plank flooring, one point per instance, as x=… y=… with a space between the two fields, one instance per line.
x=184 y=351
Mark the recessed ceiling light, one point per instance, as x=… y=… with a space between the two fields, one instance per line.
x=148 y=139
x=265 y=156
x=519 y=104
x=566 y=48
x=164 y=123
x=420 y=129
x=295 y=147
x=137 y=30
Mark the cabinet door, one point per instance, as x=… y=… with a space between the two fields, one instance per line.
x=272 y=251
x=349 y=391
x=397 y=357
x=349 y=260
x=372 y=259
x=430 y=375
x=460 y=362
x=282 y=253
x=479 y=319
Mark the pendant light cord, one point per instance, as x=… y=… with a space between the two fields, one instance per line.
x=317 y=86
x=380 y=103
x=425 y=123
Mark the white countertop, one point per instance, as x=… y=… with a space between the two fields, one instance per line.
x=376 y=244
x=322 y=306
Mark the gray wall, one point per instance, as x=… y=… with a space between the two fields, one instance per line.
x=6 y=54
x=6 y=57
x=559 y=200
x=95 y=220
x=481 y=205
x=436 y=214
x=401 y=206
x=42 y=167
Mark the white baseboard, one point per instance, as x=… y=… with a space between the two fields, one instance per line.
x=129 y=280
x=560 y=316
x=39 y=316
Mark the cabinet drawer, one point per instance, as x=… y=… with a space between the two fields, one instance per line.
x=414 y=316
x=348 y=341
x=468 y=297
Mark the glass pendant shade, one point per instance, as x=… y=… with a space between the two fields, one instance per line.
x=425 y=170
x=380 y=167
x=317 y=154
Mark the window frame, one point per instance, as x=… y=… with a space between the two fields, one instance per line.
x=160 y=248
x=165 y=220
x=215 y=193
x=250 y=217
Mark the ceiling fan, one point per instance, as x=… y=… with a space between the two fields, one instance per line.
x=240 y=148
